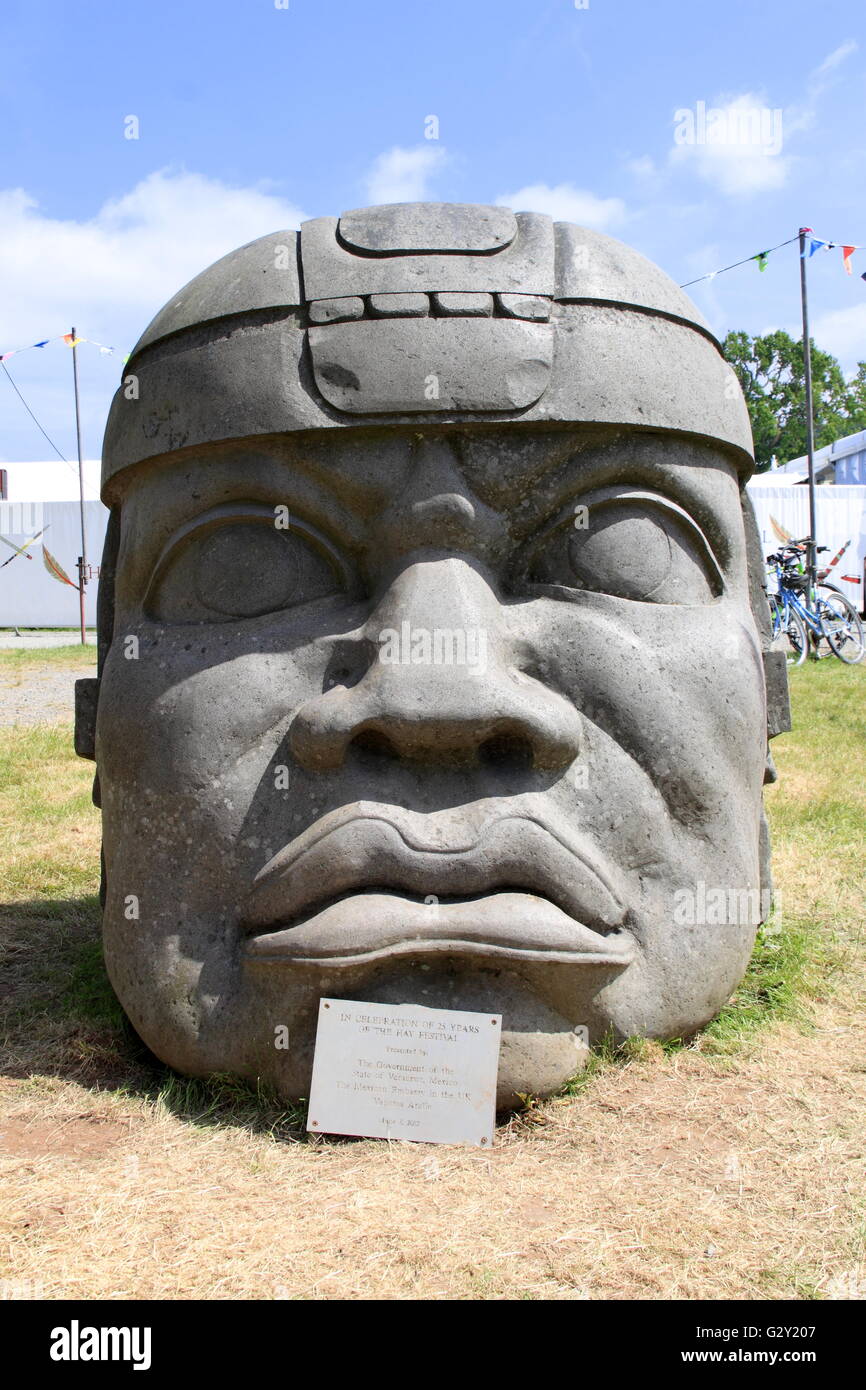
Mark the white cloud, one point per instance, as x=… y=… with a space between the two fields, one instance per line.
x=818 y=78
x=734 y=145
x=642 y=168
x=843 y=332
x=108 y=275
x=403 y=175
x=566 y=203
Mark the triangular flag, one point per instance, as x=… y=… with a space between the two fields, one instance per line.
x=72 y=342
x=44 y=343
x=847 y=252
x=4 y=355
x=761 y=258
x=54 y=569
x=815 y=244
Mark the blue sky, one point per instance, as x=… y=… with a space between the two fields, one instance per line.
x=252 y=117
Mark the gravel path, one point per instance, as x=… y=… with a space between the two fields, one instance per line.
x=40 y=693
x=32 y=639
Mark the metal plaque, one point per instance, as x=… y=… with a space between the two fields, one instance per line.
x=402 y=1071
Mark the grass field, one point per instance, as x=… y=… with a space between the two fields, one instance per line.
x=728 y=1168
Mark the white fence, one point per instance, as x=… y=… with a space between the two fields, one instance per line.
x=29 y=595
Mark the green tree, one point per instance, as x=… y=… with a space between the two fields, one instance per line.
x=771 y=372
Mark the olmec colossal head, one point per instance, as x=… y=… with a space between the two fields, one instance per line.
x=432 y=647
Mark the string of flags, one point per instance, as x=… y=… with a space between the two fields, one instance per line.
x=66 y=338
x=815 y=243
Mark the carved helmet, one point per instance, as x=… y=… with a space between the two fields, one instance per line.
x=429 y=313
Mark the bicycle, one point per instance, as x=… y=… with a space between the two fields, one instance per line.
x=833 y=620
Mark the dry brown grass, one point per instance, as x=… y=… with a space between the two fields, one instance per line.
x=676 y=1177
x=698 y=1173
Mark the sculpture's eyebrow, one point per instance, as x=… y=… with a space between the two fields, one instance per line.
x=688 y=478
x=280 y=483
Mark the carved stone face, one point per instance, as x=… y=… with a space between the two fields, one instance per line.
x=459 y=717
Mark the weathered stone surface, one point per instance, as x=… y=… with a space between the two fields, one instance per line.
x=430 y=653
x=336 y=310
x=524 y=306
x=464 y=305
x=405 y=366
x=418 y=227
x=592 y=266
x=525 y=265
x=261 y=275
x=404 y=306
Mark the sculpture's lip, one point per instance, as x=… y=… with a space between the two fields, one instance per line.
x=516 y=880
x=363 y=928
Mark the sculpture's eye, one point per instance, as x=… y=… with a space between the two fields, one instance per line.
x=631 y=545
x=235 y=563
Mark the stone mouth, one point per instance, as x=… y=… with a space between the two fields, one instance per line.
x=376 y=923
x=468 y=853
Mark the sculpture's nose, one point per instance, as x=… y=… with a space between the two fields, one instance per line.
x=440 y=684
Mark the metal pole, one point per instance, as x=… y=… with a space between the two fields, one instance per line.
x=810 y=429
x=82 y=559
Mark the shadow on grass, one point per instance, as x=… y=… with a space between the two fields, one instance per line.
x=60 y=1017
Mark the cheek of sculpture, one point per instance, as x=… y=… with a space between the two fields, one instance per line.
x=674 y=713
x=197 y=792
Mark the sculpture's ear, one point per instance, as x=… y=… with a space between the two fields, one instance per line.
x=86 y=697
x=778 y=699
x=775 y=664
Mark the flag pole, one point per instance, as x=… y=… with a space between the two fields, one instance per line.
x=810 y=428
x=82 y=559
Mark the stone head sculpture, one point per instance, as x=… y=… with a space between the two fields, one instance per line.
x=433 y=657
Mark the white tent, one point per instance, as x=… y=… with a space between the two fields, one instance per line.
x=840 y=516
x=29 y=595
x=842 y=462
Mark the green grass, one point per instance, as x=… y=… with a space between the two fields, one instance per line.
x=87 y=993
x=221 y=1100
x=48 y=823
x=15 y=659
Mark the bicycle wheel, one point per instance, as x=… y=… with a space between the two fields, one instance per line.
x=820 y=640
x=789 y=626
x=842 y=627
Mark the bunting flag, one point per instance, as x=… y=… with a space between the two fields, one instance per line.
x=761 y=258
x=847 y=253
x=55 y=569
x=61 y=338
x=12 y=351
